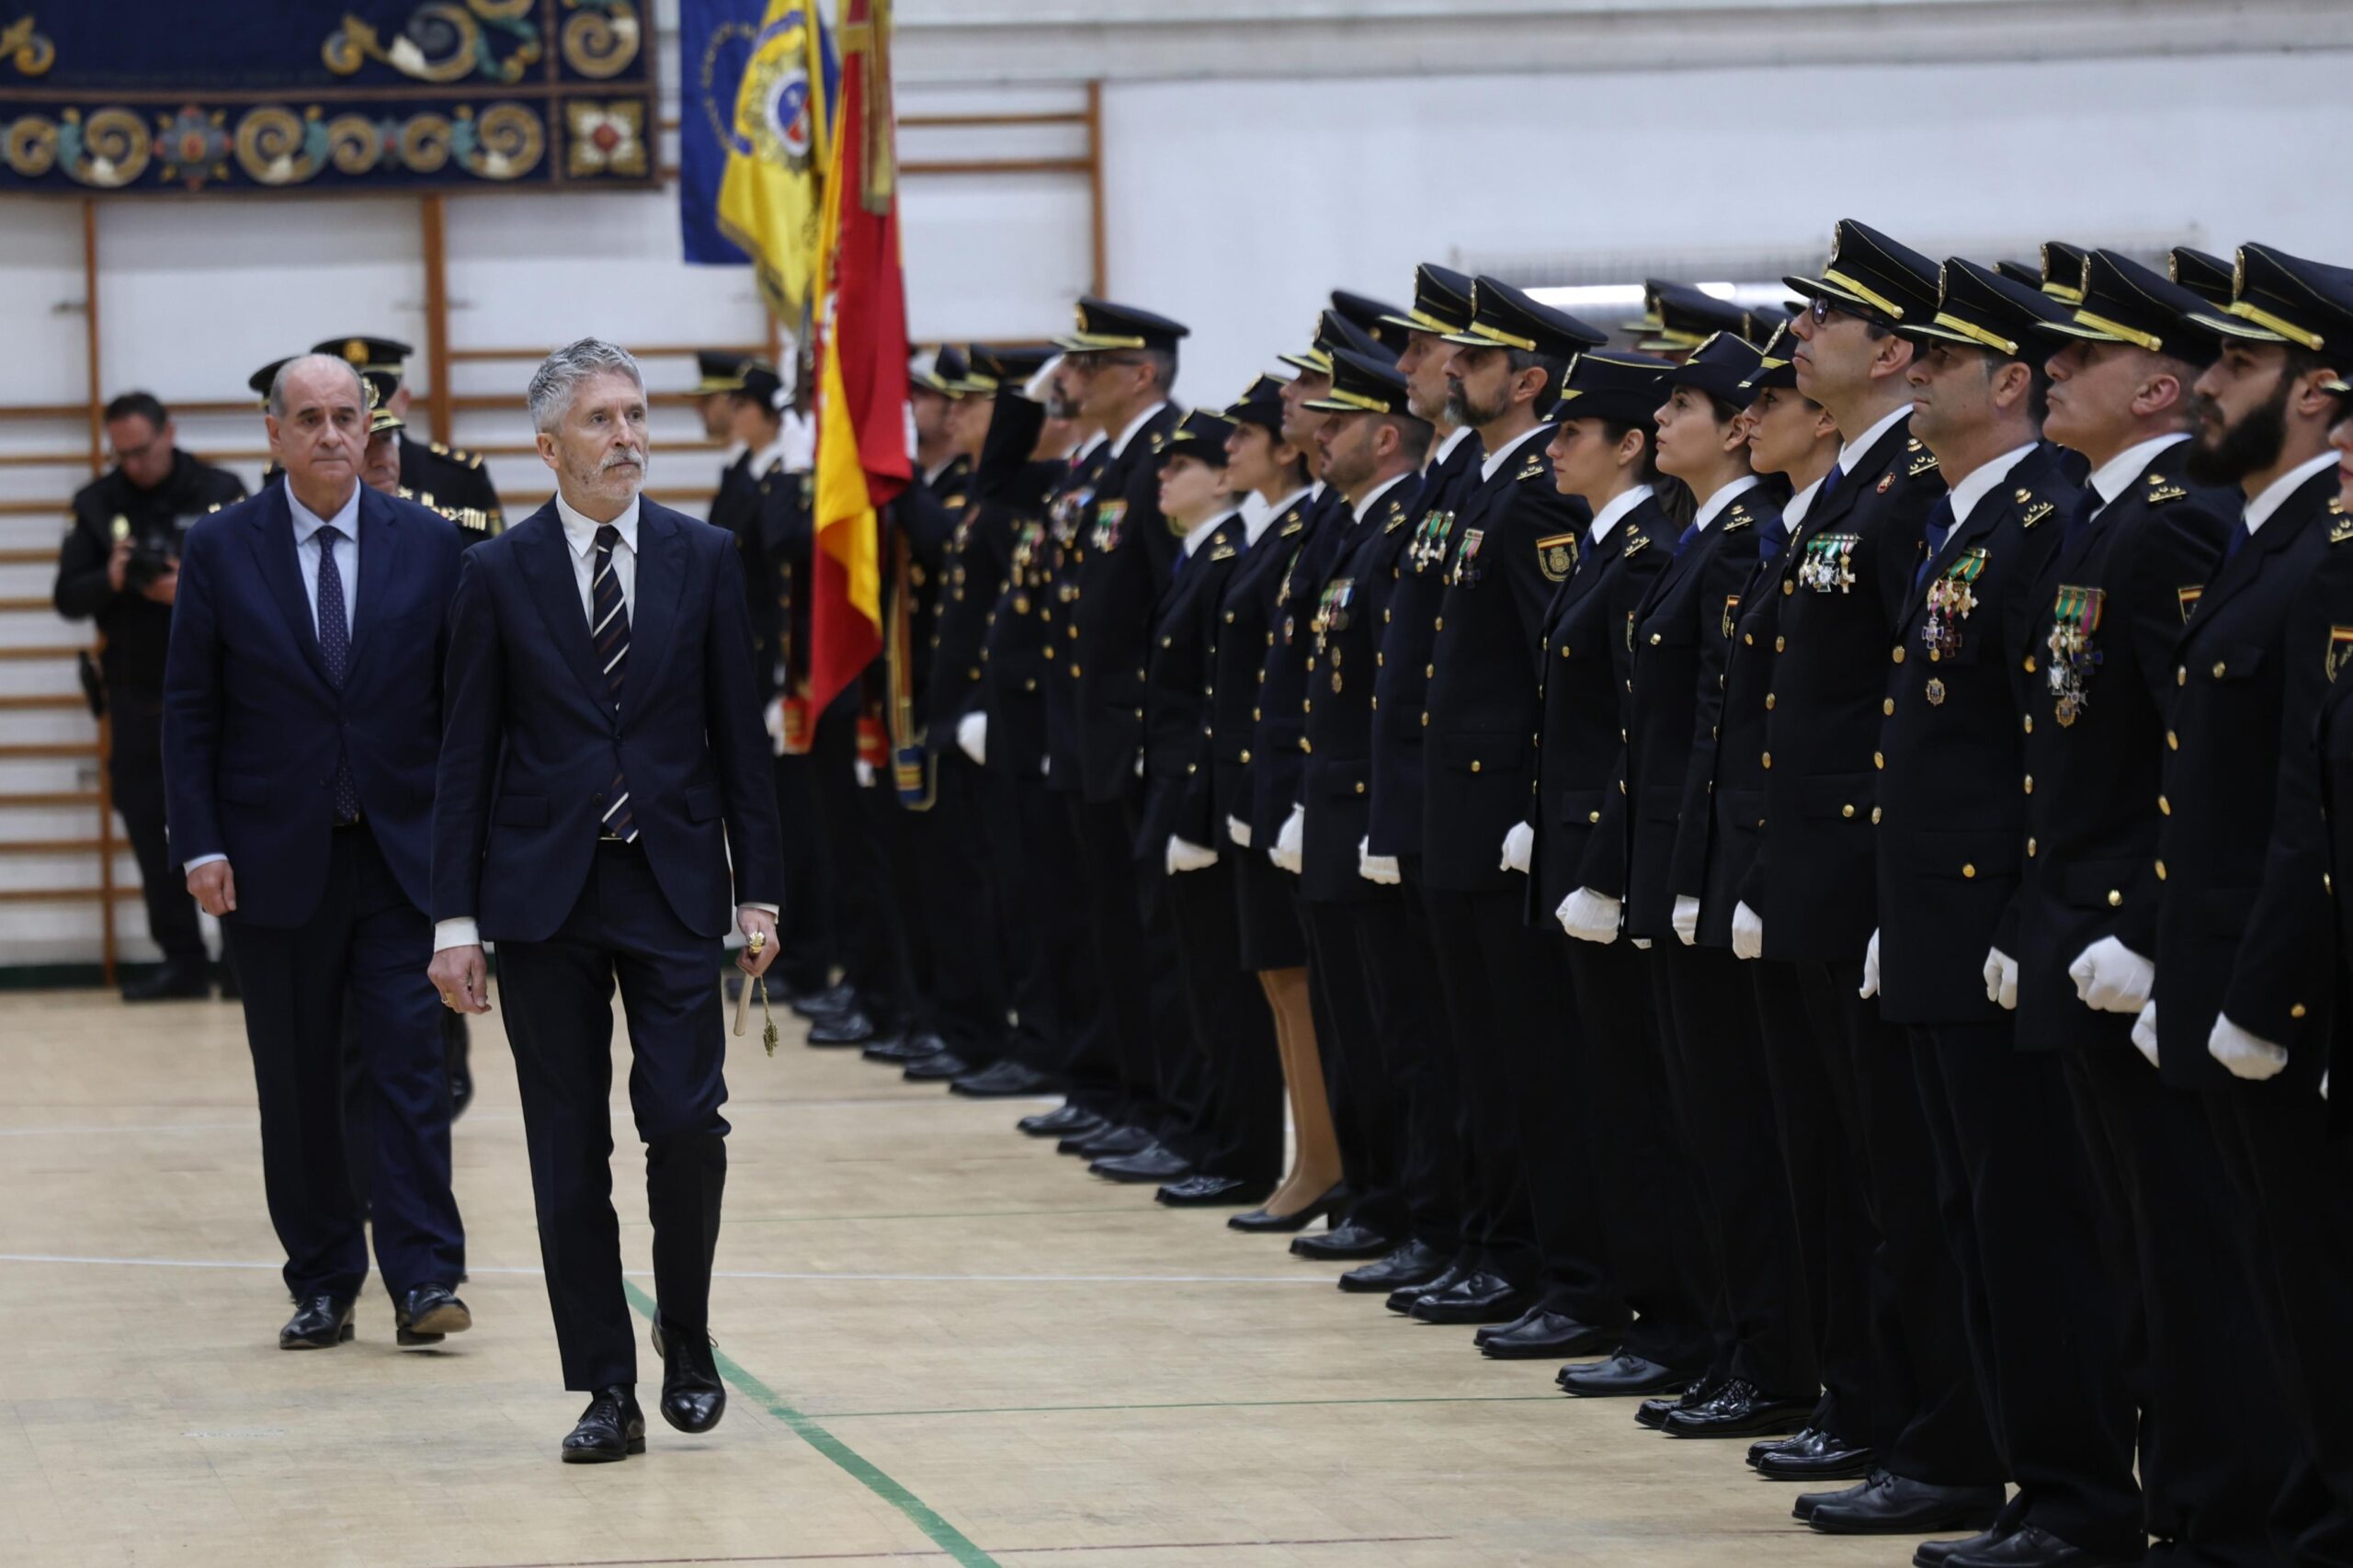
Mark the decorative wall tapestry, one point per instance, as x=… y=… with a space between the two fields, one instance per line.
x=134 y=96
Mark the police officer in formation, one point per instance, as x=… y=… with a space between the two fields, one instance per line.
x=1788 y=864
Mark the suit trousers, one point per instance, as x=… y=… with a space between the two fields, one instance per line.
x=135 y=770
x=365 y=938
x=2014 y=1185
x=1721 y=1090
x=1495 y=1195
x=1928 y=1421
x=2213 y=1449
x=558 y=997
x=1238 y=1126
x=1404 y=1100
x=2295 y=1187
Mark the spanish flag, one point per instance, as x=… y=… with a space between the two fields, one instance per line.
x=862 y=460
x=771 y=202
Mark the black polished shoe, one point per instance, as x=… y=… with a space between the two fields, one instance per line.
x=320 y=1323
x=1895 y=1505
x=939 y=1067
x=429 y=1314
x=189 y=981
x=1002 y=1080
x=1763 y=1445
x=1936 y=1553
x=693 y=1398
x=1480 y=1298
x=1202 y=1191
x=2031 y=1546
x=1062 y=1121
x=832 y=1030
x=1741 y=1409
x=1260 y=1221
x=1808 y=1502
x=1348 y=1240
x=1415 y=1263
x=822 y=1004
x=1624 y=1375
x=1108 y=1144
x=1153 y=1162
x=1540 y=1335
x=1653 y=1413
x=1814 y=1455
x=612 y=1427
x=1402 y=1298
x=897 y=1050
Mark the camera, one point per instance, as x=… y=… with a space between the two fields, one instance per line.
x=150 y=559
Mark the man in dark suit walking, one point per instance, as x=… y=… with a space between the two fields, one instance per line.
x=603 y=764
x=300 y=726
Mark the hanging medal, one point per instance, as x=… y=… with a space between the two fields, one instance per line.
x=2074 y=617
x=1950 y=598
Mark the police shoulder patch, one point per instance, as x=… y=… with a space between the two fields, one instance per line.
x=1556 y=556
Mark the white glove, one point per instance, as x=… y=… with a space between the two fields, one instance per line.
x=2145 y=1031
x=863 y=771
x=1520 y=845
x=2001 y=977
x=774 y=720
x=1869 y=987
x=1238 y=831
x=2246 y=1056
x=1589 y=916
x=972 y=738
x=1686 y=919
x=1374 y=868
x=1184 y=857
x=1747 y=932
x=2111 y=978
x=1291 y=843
x=2324 y=1085
x=1642 y=943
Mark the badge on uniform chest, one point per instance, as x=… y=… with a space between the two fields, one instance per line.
x=1068 y=508
x=1430 y=535
x=2075 y=618
x=1109 y=518
x=1557 y=557
x=1466 y=560
x=1829 y=563
x=1732 y=615
x=1331 y=609
x=1950 y=598
x=2340 y=651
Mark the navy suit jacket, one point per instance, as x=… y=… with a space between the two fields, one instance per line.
x=251 y=724
x=533 y=742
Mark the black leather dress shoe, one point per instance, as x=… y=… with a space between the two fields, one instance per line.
x=1108 y=1142
x=1540 y=1335
x=897 y=1050
x=1936 y=1553
x=1202 y=1191
x=612 y=1427
x=1402 y=1298
x=1897 y=1504
x=2031 y=1546
x=1062 y=1121
x=1151 y=1163
x=1481 y=1298
x=320 y=1323
x=429 y=1314
x=1809 y=1501
x=823 y=1003
x=1000 y=1080
x=1415 y=1263
x=1816 y=1454
x=1348 y=1240
x=1741 y=1409
x=693 y=1398
x=829 y=1029
x=189 y=981
x=1623 y=1376
x=1259 y=1222
x=939 y=1067
x=1653 y=1413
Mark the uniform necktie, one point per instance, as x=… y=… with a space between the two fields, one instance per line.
x=609 y=613
x=334 y=650
x=2087 y=507
x=1830 y=483
x=1940 y=521
x=2239 y=535
x=1682 y=541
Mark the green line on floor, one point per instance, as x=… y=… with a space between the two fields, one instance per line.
x=1206 y=1405
x=947 y=1537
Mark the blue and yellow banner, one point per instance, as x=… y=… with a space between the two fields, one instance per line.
x=770 y=201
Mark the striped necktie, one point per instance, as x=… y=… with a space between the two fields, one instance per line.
x=609 y=614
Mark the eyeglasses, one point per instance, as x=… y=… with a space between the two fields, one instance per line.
x=1821 y=310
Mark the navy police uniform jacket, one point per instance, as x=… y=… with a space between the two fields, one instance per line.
x=1278 y=772
x=1120 y=564
x=1245 y=620
x=1179 y=772
x=1402 y=679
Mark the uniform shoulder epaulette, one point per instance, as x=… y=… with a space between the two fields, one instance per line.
x=2340 y=527
x=454 y=455
x=1158 y=440
x=1922 y=461
x=1222 y=551
x=1291 y=527
x=2035 y=510
x=1636 y=541
x=1737 y=519
x=1531 y=467
x=1397 y=519
x=473 y=517
x=2162 y=490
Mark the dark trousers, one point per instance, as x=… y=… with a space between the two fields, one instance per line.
x=1658 y=1259
x=1927 y=1420
x=2015 y=1190
x=136 y=773
x=1820 y=1136
x=1363 y=1007
x=1495 y=1190
x=1063 y=998
x=875 y=957
x=806 y=953
x=1021 y=883
x=558 y=997
x=1442 y=1121
x=963 y=976
x=1418 y=1181
x=1135 y=965
x=1716 y=1081
x=2213 y=1449
x=366 y=938
x=2295 y=1186
x=1238 y=1130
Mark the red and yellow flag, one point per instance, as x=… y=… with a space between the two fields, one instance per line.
x=862 y=460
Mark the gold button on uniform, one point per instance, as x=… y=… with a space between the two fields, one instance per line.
x=2181 y=674
x=2297 y=1011
x=1781 y=645
x=1769 y=759
x=2161 y=870
x=2219 y=669
x=1874 y=816
x=2165 y=806
x=2029 y=663
x=1654 y=636
x=2029 y=849
x=2114 y=899
x=2029 y=783
x=2029 y=723
x=2173 y=741
x=1846 y=811
x=1968 y=870
x=1474 y=765
x=1769 y=702
x=1887 y=706
x=1896 y=653
x=1879 y=759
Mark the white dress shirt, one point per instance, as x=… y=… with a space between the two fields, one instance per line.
x=1793 y=514
x=1616 y=506
x=1713 y=506
x=1979 y=481
x=1258 y=525
x=1119 y=442
x=2276 y=493
x=1364 y=507
x=2112 y=477
x=1502 y=454
x=1852 y=452
x=1445 y=448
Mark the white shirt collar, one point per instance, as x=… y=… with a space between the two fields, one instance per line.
x=1618 y=506
x=1445 y=449
x=1979 y=481
x=1852 y=452
x=734 y=451
x=931 y=475
x=1086 y=448
x=774 y=452
x=1315 y=491
x=2112 y=477
x=1793 y=514
x=1502 y=454
x=307 y=522
x=1259 y=524
x=2275 y=494
x=1120 y=446
x=1715 y=505
x=1364 y=507
x=580 y=531
x=1200 y=536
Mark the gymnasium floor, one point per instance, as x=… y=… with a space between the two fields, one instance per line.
x=944 y=1342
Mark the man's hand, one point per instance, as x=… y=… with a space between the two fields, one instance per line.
x=462 y=977
x=759 y=941
x=2248 y=1056
x=164 y=589
x=2111 y=978
x=1747 y=932
x=214 y=888
x=1869 y=988
x=2001 y=977
x=119 y=563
